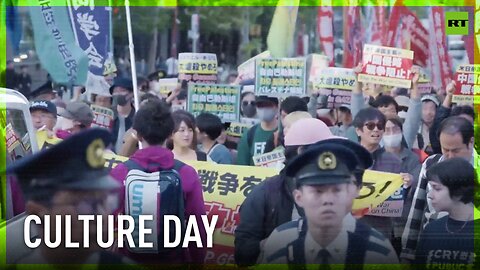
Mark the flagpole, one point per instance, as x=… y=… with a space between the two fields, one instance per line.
x=132 y=56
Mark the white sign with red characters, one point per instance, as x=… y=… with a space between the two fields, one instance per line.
x=386 y=66
x=467 y=83
x=103 y=117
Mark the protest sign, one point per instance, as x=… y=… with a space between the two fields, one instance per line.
x=44 y=141
x=391 y=207
x=165 y=86
x=387 y=66
x=425 y=88
x=274 y=159
x=12 y=138
x=332 y=77
x=103 y=117
x=225 y=187
x=280 y=77
x=246 y=70
x=197 y=67
x=237 y=129
x=336 y=97
x=220 y=99
x=467 y=83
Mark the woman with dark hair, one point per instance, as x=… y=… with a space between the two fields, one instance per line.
x=248 y=105
x=184 y=138
x=450 y=240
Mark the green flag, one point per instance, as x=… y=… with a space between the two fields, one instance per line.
x=280 y=36
x=55 y=45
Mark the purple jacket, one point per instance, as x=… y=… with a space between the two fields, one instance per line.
x=192 y=192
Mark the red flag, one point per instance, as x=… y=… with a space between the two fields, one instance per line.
x=402 y=20
x=437 y=20
x=471 y=46
x=375 y=33
x=353 y=36
x=325 y=32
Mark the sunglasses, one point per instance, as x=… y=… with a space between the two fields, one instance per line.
x=245 y=103
x=371 y=125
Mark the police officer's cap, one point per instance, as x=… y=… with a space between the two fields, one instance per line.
x=42 y=89
x=158 y=74
x=330 y=163
x=77 y=163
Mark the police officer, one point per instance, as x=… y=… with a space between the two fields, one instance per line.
x=67 y=179
x=326 y=185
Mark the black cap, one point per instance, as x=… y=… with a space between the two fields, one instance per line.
x=266 y=100
x=122 y=82
x=44 y=105
x=158 y=74
x=76 y=163
x=43 y=89
x=330 y=163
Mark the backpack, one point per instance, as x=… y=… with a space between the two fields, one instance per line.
x=356 y=250
x=251 y=135
x=156 y=193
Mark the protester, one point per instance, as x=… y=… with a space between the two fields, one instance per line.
x=76 y=117
x=457 y=140
x=344 y=121
x=183 y=143
x=248 y=106
x=24 y=81
x=270 y=203
x=69 y=179
x=288 y=105
x=370 y=127
x=122 y=99
x=454 y=185
x=154 y=124
x=325 y=187
x=44 y=114
x=429 y=107
x=11 y=76
x=254 y=140
x=209 y=128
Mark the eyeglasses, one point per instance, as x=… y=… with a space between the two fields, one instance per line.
x=371 y=125
x=245 y=103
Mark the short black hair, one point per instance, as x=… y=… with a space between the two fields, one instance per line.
x=153 y=122
x=385 y=101
x=457 y=124
x=465 y=109
x=368 y=114
x=210 y=124
x=293 y=104
x=458 y=175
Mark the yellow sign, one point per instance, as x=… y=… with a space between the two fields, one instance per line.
x=376 y=188
x=44 y=140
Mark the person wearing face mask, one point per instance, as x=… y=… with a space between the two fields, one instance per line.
x=249 y=106
x=254 y=140
x=410 y=169
x=122 y=98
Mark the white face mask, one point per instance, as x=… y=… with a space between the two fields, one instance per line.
x=392 y=140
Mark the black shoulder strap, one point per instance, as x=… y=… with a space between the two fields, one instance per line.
x=251 y=135
x=433 y=161
x=178 y=165
x=357 y=246
x=201 y=156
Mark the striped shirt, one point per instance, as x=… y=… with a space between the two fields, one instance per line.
x=379 y=250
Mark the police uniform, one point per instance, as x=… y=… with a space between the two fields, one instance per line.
x=75 y=164
x=331 y=162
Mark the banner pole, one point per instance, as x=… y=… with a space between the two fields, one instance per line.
x=132 y=56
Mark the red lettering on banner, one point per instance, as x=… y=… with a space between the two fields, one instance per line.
x=228 y=218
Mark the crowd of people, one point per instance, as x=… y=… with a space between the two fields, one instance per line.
x=304 y=214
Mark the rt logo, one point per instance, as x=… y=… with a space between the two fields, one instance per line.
x=456 y=23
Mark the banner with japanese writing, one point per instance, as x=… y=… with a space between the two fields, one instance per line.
x=92 y=30
x=274 y=159
x=316 y=63
x=353 y=33
x=197 y=67
x=103 y=117
x=325 y=32
x=337 y=78
x=11 y=138
x=55 y=44
x=246 y=70
x=467 y=83
x=280 y=77
x=222 y=100
x=441 y=59
x=386 y=66
x=336 y=97
x=165 y=86
x=225 y=187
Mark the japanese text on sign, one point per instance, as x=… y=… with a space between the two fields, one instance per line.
x=103 y=117
x=387 y=66
x=336 y=97
x=218 y=99
x=201 y=63
x=280 y=77
x=467 y=84
x=338 y=78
